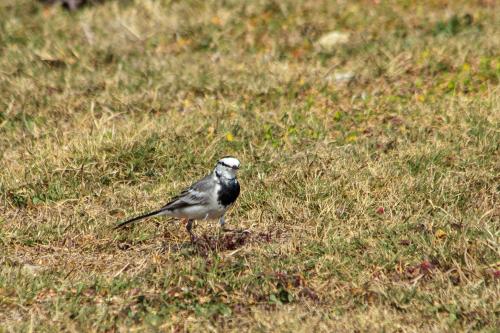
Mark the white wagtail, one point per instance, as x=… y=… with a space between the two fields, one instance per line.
x=209 y=198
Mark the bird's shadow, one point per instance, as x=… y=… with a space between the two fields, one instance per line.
x=205 y=244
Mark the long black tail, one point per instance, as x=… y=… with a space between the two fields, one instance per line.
x=137 y=218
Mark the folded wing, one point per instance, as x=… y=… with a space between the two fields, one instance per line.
x=197 y=194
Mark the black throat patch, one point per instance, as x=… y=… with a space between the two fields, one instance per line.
x=228 y=193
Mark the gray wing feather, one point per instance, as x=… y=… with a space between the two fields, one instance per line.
x=197 y=194
x=204 y=185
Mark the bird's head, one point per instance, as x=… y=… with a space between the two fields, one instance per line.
x=227 y=167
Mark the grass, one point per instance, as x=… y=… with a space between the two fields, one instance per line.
x=373 y=203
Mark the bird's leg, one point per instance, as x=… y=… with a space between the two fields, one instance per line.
x=189 y=228
x=222 y=223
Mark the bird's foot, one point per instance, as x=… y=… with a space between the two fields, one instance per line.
x=189 y=229
x=193 y=238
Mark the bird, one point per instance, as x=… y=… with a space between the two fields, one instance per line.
x=207 y=199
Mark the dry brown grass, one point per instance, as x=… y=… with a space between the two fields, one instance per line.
x=373 y=204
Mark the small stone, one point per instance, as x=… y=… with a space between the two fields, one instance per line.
x=343 y=77
x=328 y=41
x=340 y=77
x=31 y=269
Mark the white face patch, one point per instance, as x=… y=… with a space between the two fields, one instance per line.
x=230 y=162
x=227 y=168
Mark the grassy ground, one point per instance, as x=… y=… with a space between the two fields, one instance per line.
x=374 y=203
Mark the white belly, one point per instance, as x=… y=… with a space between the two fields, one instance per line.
x=199 y=212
